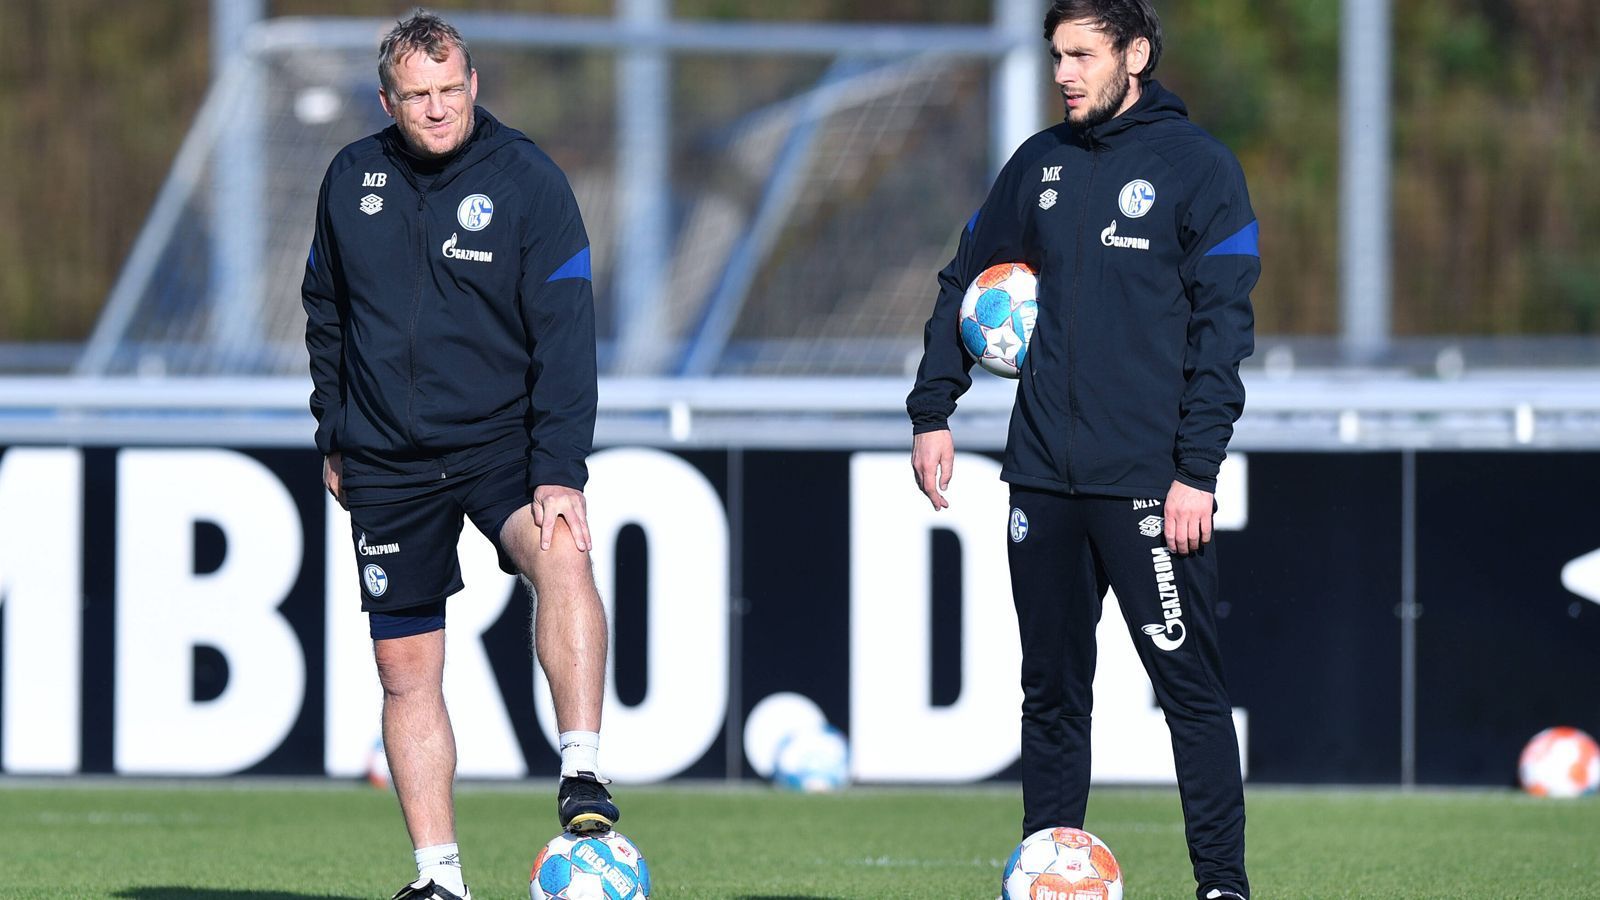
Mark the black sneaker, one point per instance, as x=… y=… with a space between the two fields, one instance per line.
x=584 y=806
x=1219 y=894
x=425 y=889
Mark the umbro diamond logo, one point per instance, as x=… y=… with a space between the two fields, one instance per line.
x=1150 y=526
x=372 y=204
x=1048 y=198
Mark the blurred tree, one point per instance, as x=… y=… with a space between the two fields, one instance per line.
x=1497 y=153
x=1497 y=143
x=95 y=105
x=1262 y=75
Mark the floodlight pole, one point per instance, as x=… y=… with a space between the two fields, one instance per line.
x=231 y=21
x=1365 y=58
x=643 y=178
x=238 y=178
x=1014 y=110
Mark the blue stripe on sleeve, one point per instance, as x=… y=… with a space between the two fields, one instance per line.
x=576 y=267
x=972 y=223
x=1244 y=242
x=312 y=259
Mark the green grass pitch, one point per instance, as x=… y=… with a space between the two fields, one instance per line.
x=250 y=840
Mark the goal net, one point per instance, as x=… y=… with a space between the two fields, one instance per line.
x=811 y=200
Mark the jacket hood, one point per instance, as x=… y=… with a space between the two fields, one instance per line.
x=487 y=136
x=1155 y=103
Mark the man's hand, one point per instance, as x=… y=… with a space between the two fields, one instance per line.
x=1188 y=518
x=933 y=455
x=333 y=476
x=555 y=501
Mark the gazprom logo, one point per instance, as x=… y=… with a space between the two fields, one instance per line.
x=366 y=549
x=1169 y=633
x=450 y=252
x=1110 y=238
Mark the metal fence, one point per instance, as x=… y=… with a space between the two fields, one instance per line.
x=1329 y=410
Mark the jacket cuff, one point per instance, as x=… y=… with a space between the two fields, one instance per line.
x=925 y=427
x=573 y=475
x=1199 y=473
x=326 y=440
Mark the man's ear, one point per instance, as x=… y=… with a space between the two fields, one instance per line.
x=1138 y=55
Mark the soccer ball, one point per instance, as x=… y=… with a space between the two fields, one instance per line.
x=1061 y=864
x=997 y=316
x=605 y=866
x=812 y=759
x=1560 y=762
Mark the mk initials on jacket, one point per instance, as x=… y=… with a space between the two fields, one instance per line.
x=1146 y=247
x=450 y=312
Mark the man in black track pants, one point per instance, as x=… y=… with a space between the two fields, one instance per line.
x=1140 y=227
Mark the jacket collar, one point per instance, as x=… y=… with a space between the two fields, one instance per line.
x=487 y=136
x=1154 y=104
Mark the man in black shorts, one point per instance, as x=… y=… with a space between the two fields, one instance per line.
x=450 y=325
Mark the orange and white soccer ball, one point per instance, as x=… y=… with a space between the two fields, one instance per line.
x=1061 y=864
x=1560 y=762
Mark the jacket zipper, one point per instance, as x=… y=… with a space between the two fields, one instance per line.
x=1072 y=318
x=416 y=309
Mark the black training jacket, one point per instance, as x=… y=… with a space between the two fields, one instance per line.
x=1144 y=240
x=450 y=312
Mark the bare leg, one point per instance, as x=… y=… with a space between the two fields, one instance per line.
x=417 y=736
x=569 y=621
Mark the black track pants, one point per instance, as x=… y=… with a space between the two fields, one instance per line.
x=1071 y=548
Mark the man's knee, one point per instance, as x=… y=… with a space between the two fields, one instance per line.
x=410 y=665
x=562 y=570
x=520 y=540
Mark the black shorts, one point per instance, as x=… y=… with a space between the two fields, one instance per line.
x=405 y=537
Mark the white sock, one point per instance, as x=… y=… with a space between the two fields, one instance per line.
x=580 y=752
x=442 y=863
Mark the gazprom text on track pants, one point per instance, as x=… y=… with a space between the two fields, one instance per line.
x=1064 y=552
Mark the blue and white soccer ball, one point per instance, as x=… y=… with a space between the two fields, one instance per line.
x=997 y=316
x=605 y=866
x=814 y=759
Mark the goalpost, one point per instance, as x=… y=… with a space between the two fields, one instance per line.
x=763 y=198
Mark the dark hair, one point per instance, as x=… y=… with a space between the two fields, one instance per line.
x=1120 y=20
x=423 y=32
